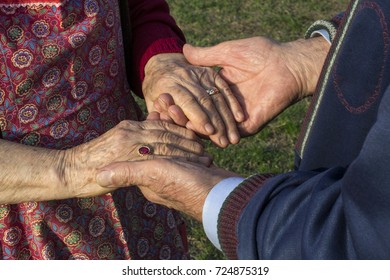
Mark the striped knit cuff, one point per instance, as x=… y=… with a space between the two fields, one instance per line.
x=329 y=26
x=230 y=214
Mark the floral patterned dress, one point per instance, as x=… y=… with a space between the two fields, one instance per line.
x=62 y=83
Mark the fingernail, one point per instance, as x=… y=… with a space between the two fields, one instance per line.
x=190 y=126
x=209 y=128
x=104 y=178
x=240 y=117
x=224 y=141
x=234 y=138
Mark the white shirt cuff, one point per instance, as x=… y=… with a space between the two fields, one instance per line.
x=213 y=205
x=324 y=34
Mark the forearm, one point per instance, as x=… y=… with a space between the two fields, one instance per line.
x=29 y=173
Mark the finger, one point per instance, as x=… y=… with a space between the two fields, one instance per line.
x=171 y=150
x=124 y=174
x=166 y=118
x=166 y=143
x=163 y=102
x=205 y=56
x=227 y=116
x=157 y=127
x=230 y=98
x=177 y=115
x=228 y=127
x=163 y=105
x=197 y=107
x=229 y=109
x=205 y=160
x=153 y=116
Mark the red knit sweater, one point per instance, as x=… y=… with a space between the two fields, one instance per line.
x=154 y=31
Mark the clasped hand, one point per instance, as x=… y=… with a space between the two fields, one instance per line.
x=265 y=76
x=121 y=144
x=170 y=79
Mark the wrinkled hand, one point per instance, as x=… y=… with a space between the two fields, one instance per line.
x=121 y=144
x=176 y=184
x=213 y=116
x=265 y=76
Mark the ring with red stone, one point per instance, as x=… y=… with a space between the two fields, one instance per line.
x=145 y=150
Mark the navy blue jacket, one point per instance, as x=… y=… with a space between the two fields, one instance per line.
x=336 y=203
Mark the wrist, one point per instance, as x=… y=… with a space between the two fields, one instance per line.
x=75 y=174
x=306 y=58
x=65 y=173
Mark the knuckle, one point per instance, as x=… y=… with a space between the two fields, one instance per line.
x=188 y=101
x=226 y=91
x=218 y=122
x=196 y=147
x=190 y=134
x=147 y=136
x=205 y=101
x=166 y=137
x=162 y=82
x=125 y=124
x=166 y=126
x=164 y=149
x=121 y=135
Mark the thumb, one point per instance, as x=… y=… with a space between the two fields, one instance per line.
x=121 y=174
x=204 y=56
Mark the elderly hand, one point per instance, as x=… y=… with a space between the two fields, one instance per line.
x=212 y=115
x=184 y=188
x=265 y=76
x=128 y=141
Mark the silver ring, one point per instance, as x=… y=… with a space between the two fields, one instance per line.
x=212 y=91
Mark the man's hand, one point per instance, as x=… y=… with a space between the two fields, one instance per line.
x=176 y=184
x=265 y=76
x=213 y=116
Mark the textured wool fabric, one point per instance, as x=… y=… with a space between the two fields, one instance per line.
x=336 y=203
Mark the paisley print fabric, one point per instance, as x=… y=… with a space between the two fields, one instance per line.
x=31 y=3
x=62 y=83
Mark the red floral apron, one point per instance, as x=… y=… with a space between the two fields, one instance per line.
x=63 y=83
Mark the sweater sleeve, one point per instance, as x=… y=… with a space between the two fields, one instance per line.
x=154 y=31
x=335 y=213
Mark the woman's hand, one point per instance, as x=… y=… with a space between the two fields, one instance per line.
x=213 y=115
x=37 y=174
x=123 y=143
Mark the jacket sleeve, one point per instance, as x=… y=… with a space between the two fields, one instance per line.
x=337 y=213
x=154 y=31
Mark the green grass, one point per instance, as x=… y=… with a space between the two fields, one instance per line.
x=208 y=22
